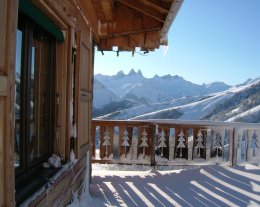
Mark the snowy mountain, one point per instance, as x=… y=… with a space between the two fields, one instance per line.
x=136 y=87
x=241 y=103
x=238 y=103
x=102 y=95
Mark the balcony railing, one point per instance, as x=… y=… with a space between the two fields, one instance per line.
x=174 y=142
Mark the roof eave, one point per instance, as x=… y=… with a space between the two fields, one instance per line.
x=176 y=5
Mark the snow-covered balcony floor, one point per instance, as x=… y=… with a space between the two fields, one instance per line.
x=201 y=186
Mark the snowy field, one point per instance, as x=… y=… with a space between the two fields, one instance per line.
x=193 y=187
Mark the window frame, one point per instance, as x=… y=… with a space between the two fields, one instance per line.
x=26 y=167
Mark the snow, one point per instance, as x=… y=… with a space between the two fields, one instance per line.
x=194 y=110
x=194 y=186
x=247 y=113
x=161 y=93
x=239 y=88
x=134 y=112
x=102 y=95
x=156 y=89
x=49 y=185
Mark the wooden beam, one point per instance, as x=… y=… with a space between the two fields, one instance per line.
x=155 y=6
x=91 y=17
x=143 y=9
x=131 y=32
x=3 y=85
x=107 y=7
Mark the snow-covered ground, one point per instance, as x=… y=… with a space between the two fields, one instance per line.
x=249 y=113
x=200 y=186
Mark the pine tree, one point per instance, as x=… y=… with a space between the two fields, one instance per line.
x=199 y=142
x=144 y=143
x=181 y=143
x=106 y=142
x=162 y=141
x=125 y=142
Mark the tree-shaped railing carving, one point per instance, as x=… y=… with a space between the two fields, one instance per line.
x=199 y=144
x=181 y=144
x=144 y=143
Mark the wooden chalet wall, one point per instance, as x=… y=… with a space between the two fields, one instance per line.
x=123 y=23
x=73 y=85
x=8 y=24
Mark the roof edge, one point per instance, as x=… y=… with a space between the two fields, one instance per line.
x=176 y=5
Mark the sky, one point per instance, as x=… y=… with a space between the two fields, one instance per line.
x=208 y=41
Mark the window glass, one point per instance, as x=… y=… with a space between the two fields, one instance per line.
x=40 y=92
x=34 y=96
x=18 y=89
x=34 y=106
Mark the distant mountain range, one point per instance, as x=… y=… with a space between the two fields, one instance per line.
x=132 y=96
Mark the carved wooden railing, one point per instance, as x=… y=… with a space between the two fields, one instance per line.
x=174 y=142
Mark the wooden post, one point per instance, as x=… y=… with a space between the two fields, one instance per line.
x=248 y=149
x=93 y=140
x=190 y=142
x=231 y=145
x=223 y=134
x=235 y=140
x=153 y=144
x=208 y=144
x=172 y=145
x=8 y=25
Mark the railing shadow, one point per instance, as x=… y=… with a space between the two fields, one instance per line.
x=204 y=186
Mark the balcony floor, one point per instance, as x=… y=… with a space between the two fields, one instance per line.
x=200 y=186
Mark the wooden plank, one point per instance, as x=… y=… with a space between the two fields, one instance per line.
x=152 y=40
x=69 y=96
x=84 y=88
x=61 y=101
x=148 y=11
x=132 y=32
x=1 y=150
x=59 y=193
x=3 y=13
x=107 y=6
x=9 y=26
x=154 y=6
x=3 y=85
x=89 y=12
x=124 y=19
x=56 y=10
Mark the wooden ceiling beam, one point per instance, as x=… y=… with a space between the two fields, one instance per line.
x=92 y=19
x=155 y=6
x=140 y=7
x=107 y=7
x=131 y=32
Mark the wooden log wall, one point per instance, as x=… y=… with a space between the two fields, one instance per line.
x=66 y=16
x=8 y=24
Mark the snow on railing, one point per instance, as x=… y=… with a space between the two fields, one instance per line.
x=174 y=142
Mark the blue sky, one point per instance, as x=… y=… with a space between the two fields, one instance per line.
x=208 y=41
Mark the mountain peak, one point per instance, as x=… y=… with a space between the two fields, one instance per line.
x=169 y=76
x=140 y=72
x=120 y=74
x=132 y=72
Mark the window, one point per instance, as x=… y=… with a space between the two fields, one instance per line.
x=34 y=104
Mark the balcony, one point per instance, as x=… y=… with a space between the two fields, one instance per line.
x=197 y=163
x=175 y=142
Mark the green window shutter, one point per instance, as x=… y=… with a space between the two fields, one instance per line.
x=34 y=13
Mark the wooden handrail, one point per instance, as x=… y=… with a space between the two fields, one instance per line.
x=174 y=142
